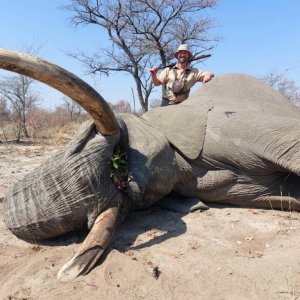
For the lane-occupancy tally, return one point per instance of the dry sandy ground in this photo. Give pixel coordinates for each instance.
(223, 253)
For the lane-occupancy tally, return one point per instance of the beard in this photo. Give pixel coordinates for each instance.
(183, 59)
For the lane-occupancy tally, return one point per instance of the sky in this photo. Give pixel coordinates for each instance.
(256, 37)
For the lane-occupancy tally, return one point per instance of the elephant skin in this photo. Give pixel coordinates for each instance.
(234, 141)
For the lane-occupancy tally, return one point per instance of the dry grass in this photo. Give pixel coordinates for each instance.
(57, 135)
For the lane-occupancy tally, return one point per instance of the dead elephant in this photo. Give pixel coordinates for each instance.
(235, 141)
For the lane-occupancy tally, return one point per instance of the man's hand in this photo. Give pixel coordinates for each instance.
(155, 80)
(154, 71)
(207, 77)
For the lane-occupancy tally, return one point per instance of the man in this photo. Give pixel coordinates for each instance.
(179, 79)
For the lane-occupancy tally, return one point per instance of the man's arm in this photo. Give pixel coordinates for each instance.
(155, 80)
(204, 76)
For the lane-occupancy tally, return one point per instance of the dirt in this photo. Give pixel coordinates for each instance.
(222, 253)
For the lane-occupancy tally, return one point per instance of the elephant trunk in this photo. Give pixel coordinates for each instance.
(65, 82)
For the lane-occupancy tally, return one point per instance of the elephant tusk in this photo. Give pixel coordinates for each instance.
(93, 246)
(65, 82)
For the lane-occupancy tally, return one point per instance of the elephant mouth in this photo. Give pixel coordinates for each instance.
(65, 82)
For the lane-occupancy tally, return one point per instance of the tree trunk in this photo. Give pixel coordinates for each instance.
(138, 83)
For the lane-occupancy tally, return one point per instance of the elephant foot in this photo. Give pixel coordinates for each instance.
(181, 204)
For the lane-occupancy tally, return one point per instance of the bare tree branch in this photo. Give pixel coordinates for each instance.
(142, 33)
(17, 90)
(286, 87)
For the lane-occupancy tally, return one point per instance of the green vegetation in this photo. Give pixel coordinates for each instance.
(119, 169)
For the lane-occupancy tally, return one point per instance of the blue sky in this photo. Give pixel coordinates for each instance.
(257, 37)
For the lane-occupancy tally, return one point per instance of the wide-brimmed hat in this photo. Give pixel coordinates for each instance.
(183, 47)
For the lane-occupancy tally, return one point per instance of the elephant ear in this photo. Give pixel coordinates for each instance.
(184, 124)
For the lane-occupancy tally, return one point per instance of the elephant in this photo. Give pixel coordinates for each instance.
(233, 141)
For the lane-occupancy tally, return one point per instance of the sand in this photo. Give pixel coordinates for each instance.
(222, 253)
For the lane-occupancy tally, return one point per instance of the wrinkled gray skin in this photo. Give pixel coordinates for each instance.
(234, 141)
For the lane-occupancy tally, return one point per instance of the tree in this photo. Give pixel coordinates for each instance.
(4, 117)
(72, 108)
(18, 91)
(4, 113)
(122, 106)
(286, 87)
(143, 33)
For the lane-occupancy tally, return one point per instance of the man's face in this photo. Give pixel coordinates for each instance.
(183, 56)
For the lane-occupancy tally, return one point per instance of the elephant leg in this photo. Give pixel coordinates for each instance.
(280, 191)
(284, 203)
(94, 245)
(275, 191)
(286, 195)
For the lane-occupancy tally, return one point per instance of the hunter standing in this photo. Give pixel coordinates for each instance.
(179, 79)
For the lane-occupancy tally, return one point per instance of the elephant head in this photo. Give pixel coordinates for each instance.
(233, 141)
